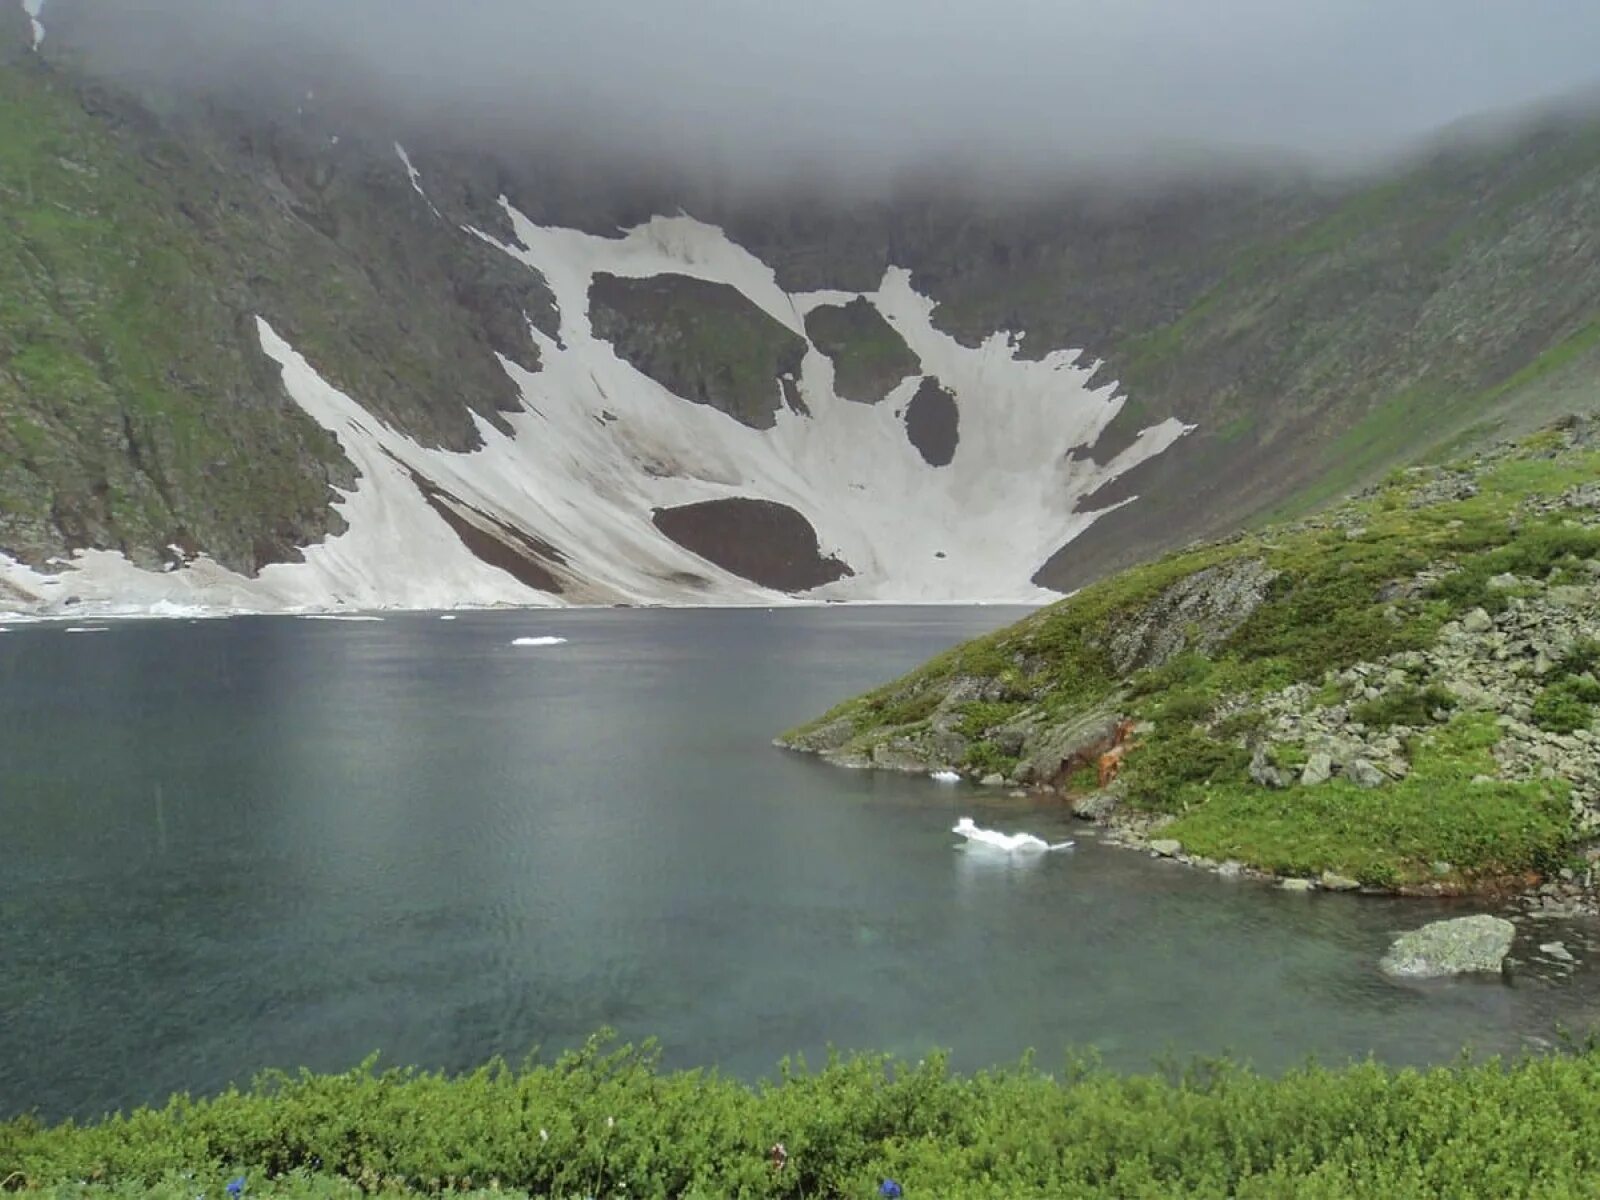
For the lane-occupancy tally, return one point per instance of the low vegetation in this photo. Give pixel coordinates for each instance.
(1346, 640)
(607, 1122)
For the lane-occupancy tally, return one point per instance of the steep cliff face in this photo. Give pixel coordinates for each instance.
(549, 392)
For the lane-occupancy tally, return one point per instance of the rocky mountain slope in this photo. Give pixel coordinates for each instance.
(292, 348)
(1402, 692)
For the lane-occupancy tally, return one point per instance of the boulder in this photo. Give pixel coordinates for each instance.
(1264, 773)
(1096, 806)
(1296, 885)
(1557, 951)
(1319, 769)
(1166, 847)
(1331, 881)
(1477, 621)
(1363, 774)
(1453, 947)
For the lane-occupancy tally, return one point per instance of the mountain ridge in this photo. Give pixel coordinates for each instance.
(1267, 318)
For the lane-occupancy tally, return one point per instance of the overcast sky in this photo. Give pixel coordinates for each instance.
(892, 81)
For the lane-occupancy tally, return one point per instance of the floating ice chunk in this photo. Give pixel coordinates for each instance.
(1003, 841)
(946, 777)
(87, 629)
(448, 617)
(538, 641)
(337, 617)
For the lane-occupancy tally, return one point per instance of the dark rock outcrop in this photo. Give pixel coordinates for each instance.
(704, 342)
(933, 423)
(759, 540)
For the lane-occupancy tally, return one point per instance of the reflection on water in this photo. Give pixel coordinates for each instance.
(278, 842)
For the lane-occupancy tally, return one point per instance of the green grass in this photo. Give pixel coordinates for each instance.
(1389, 836)
(120, 373)
(610, 1124)
(1334, 602)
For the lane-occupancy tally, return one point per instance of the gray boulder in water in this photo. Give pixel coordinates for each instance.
(1451, 947)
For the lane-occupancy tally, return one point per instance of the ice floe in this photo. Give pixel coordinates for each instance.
(1009, 842)
(539, 641)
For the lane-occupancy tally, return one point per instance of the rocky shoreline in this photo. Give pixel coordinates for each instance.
(1425, 658)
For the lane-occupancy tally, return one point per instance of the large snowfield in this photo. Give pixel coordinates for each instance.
(598, 446)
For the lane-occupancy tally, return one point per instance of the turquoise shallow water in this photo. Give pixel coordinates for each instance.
(280, 842)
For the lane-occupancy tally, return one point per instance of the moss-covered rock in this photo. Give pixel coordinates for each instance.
(702, 341)
(870, 359)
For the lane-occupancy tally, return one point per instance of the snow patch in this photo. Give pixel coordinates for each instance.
(416, 179)
(33, 8)
(598, 446)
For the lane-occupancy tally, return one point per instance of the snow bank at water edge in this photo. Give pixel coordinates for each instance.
(559, 510)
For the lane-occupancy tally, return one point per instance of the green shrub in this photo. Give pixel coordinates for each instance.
(1403, 706)
(980, 716)
(1566, 705)
(1393, 834)
(1159, 774)
(985, 758)
(611, 1124)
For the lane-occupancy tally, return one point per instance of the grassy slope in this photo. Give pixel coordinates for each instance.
(136, 249)
(129, 414)
(612, 1125)
(1454, 301)
(1326, 611)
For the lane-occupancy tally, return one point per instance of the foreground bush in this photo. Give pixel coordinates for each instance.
(599, 1123)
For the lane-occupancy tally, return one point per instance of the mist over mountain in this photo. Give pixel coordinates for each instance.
(853, 94)
(398, 305)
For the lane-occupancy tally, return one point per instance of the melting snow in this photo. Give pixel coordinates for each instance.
(973, 531)
(416, 179)
(33, 8)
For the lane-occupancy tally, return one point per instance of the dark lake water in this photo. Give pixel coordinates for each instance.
(282, 842)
